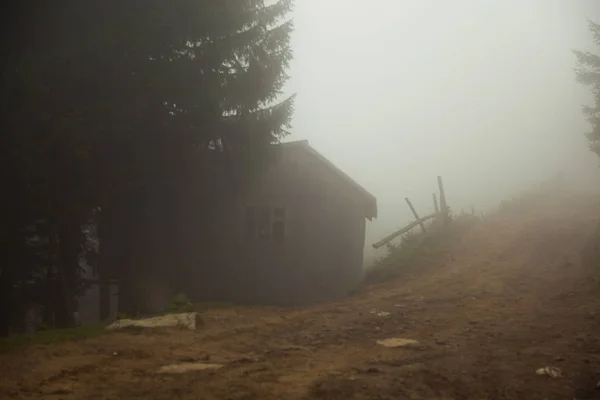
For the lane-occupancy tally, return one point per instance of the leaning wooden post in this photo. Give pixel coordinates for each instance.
(435, 203)
(402, 231)
(412, 208)
(443, 204)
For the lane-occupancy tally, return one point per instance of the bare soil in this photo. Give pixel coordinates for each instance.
(513, 296)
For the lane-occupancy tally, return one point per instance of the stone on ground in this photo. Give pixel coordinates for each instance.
(190, 321)
(187, 367)
(397, 342)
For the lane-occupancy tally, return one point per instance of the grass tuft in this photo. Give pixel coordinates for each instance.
(418, 249)
(51, 336)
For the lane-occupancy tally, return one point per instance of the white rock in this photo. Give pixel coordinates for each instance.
(190, 321)
(396, 342)
(187, 367)
(552, 372)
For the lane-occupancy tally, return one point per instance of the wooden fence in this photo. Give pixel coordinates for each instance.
(442, 212)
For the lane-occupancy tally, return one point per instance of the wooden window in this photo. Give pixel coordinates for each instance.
(279, 225)
(265, 224)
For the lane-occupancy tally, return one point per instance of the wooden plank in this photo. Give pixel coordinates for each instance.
(412, 208)
(443, 205)
(407, 228)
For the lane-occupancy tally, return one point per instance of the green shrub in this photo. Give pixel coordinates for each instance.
(418, 249)
(50, 336)
(180, 303)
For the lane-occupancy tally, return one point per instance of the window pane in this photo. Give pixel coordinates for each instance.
(264, 223)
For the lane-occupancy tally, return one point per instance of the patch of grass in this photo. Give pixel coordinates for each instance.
(418, 249)
(51, 336)
(179, 304)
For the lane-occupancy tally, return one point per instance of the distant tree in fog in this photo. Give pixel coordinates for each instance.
(588, 73)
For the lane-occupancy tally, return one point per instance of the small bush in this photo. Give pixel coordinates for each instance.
(180, 304)
(121, 315)
(418, 249)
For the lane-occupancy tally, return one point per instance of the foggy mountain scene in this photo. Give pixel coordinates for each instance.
(279, 199)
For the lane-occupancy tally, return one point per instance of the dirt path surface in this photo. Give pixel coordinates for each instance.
(512, 297)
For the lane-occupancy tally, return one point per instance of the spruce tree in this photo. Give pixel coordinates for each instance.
(143, 109)
(588, 73)
(205, 80)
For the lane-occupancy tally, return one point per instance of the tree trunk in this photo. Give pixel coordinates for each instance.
(118, 237)
(103, 267)
(49, 306)
(63, 317)
(104, 296)
(127, 266)
(10, 253)
(127, 294)
(6, 300)
(68, 271)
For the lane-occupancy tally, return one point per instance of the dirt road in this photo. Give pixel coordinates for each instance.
(512, 297)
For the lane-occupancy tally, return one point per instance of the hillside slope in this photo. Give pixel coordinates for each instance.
(513, 296)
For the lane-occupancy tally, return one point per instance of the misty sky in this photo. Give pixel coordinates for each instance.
(482, 92)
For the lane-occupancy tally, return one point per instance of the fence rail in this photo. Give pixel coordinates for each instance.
(404, 230)
(442, 211)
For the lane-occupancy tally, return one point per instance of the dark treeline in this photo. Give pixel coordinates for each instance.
(125, 124)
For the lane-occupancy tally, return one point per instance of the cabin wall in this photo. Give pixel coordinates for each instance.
(321, 255)
(335, 238)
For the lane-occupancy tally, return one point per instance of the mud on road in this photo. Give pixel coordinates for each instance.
(513, 296)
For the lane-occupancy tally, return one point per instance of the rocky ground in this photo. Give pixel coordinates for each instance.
(512, 297)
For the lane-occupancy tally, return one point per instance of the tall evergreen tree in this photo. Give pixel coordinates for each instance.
(209, 92)
(186, 105)
(146, 110)
(588, 73)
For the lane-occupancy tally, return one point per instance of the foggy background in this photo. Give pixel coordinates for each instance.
(482, 92)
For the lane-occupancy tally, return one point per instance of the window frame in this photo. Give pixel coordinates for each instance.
(268, 219)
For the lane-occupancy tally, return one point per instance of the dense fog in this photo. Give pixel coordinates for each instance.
(480, 92)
